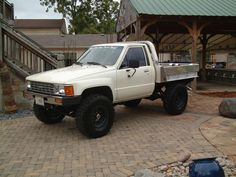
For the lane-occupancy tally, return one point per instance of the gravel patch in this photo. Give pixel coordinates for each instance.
(19, 114)
(178, 169)
(181, 169)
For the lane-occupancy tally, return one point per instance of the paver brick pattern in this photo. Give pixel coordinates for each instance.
(140, 138)
(221, 132)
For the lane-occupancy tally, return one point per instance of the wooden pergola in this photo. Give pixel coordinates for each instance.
(157, 20)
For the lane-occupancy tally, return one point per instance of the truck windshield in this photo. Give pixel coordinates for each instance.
(103, 55)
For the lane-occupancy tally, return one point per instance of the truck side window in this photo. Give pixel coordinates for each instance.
(134, 54)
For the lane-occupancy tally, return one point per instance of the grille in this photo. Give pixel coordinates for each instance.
(41, 87)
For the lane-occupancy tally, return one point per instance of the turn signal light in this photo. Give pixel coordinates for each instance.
(69, 90)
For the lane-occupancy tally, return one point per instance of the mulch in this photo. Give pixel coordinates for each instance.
(225, 94)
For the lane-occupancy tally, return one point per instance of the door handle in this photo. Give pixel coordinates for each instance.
(146, 71)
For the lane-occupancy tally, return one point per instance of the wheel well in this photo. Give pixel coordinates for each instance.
(106, 91)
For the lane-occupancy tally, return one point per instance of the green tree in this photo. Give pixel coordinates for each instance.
(106, 12)
(86, 16)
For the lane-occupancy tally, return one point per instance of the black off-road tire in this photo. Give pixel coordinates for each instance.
(132, 103)
(175, 99)
(47, 115)
(95, 116)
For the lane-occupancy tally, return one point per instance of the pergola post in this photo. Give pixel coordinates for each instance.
(194, 31)
(118, 37)
(157, 40)
(204, 40)
(138, 30)
(204, 46)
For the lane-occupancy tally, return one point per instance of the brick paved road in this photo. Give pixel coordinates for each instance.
(140, 138)
(221, 132)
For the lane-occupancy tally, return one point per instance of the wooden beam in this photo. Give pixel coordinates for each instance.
(194, 30)
(204, 40)
(118, 37)
(221, 41)
(157, 40)
(146, 26)
(138, 30)
(169, 37)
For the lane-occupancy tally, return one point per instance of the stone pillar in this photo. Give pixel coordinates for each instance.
(8, 99)
(1, 98)
(1, 56)
(60, 61)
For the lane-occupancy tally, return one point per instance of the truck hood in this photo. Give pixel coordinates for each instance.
(67, 74)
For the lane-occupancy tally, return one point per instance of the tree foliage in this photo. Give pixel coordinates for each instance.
(86, 16)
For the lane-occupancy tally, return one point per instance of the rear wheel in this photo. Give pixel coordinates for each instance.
(95, 115)
(175, 99)
(48, 115)
(132, 103)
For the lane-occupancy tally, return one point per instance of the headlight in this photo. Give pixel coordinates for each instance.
(28, 85)
(65, 90)
(60, 90)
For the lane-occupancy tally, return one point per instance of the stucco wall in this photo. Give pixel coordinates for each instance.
(40, 31)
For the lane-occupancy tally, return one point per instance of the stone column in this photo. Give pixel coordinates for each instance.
(8, 99)
(60, 61)
(1, 98)
(1, 55)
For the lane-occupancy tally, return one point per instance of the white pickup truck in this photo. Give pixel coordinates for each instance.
(107, 75)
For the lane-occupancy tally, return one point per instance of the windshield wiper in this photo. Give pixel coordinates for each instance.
(78, 63)
(95, 63)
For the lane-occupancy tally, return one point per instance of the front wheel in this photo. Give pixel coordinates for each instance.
(175, 99)
(48, 115)
(95, 115)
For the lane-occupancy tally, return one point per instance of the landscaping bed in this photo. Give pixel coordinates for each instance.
(225, 94)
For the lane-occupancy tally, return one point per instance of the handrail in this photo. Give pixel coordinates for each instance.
(28, 38)
(8, 3)
(23, 54)
(43, 54)
(34, 42)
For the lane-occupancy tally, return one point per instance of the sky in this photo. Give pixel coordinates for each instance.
(31, 9)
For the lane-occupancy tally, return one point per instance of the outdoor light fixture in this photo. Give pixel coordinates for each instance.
(206, 168)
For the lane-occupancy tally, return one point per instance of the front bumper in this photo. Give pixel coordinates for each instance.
(57, 100)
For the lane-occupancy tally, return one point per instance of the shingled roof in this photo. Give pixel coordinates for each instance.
(223, 8)
(39, 23)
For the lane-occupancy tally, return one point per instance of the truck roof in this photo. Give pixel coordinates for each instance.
(122, 43)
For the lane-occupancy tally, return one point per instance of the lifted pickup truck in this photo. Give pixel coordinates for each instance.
(107, 75)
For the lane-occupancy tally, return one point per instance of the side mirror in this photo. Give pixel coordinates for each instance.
(133, 64)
